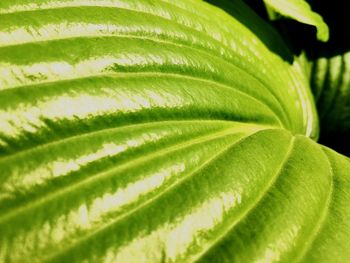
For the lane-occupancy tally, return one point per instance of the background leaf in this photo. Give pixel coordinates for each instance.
(301, 11)
(331, 84)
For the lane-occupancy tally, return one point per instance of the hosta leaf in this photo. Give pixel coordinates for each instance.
(160, 131)
(331, 86)
(301, 11)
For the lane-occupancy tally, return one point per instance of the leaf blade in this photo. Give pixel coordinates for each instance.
(301, 11)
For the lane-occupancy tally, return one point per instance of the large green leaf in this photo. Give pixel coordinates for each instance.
(160, 131)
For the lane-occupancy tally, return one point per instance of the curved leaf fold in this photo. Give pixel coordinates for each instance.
(301, 11)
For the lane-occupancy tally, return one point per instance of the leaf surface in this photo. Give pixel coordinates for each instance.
(159, 131)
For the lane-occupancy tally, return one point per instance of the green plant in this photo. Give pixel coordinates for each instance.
(162, 131)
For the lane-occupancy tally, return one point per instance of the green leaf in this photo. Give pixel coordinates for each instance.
(160, 131)
(331, 85)
(301, 11)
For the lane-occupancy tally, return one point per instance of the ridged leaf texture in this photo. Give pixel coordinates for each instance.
(160, 131)
(331, 86)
